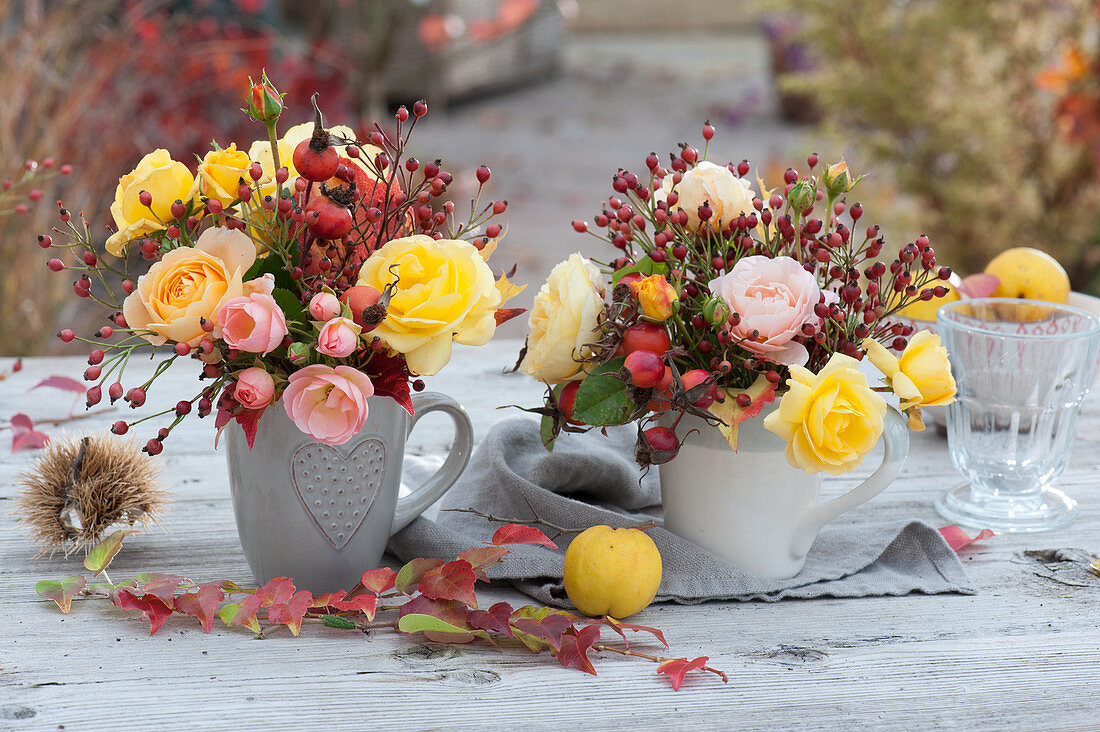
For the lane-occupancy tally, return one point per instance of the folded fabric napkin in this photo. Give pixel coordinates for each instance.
(592, 479)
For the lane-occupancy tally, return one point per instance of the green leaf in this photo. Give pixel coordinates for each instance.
(417, 623)
(273, 265)
(646, 267)
(546, 432)
(61, 592)
(289, 303)
(100, 557)
(335, 621)
(603, 398)
(409, 576)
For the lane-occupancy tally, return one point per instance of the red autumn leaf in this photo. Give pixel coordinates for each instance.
(111, 591)
(450, 581)
(619, 626)
(390, 377)
(366, 603)
(482, 557)
(61, 382)
(958, 539)
(202, 604)
(24, 435)
(452, 612)
(549, 628)
(63, 591)
(249, 420)
(521, 534)
(161, 586)
(678, 667)
(329, 599)
(503, 315)
(379, 580)
(495, 620)
(155, 611)
(574, 648)
(291, 612)
(408, 577)
(275, 591)
(242, 613)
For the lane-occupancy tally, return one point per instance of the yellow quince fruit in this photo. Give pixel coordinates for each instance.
(612, 572)
(1031, 274)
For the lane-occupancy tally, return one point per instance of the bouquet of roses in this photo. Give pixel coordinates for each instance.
(720, 294)
(314, 268)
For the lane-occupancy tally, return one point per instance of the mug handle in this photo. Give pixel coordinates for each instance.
(895, 439)
(424, 495)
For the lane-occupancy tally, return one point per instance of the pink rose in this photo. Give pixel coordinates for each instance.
(328, 404)
(254, 388)
(775, 298)
(338, 338)
(324, 306)
(252, 323)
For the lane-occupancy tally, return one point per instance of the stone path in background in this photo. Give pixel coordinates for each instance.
(554, 146)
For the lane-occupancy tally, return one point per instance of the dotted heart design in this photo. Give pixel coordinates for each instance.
(338, 490)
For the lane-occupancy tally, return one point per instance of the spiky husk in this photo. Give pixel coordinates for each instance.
(81, 486)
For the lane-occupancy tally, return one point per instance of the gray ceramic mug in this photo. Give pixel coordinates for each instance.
(322, 514)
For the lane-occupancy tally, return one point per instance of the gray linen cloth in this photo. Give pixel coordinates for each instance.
(592, 479)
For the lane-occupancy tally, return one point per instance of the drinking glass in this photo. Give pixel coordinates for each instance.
(1022, 368)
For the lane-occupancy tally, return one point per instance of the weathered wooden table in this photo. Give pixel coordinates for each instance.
(1023, 653)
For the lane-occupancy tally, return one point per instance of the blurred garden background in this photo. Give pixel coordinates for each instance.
(978, 121)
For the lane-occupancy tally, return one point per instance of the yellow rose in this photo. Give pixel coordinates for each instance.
(830, 421)
(727, 195)
(220, 174)
(445, 292)
(922, 376)
(260, 152)
(166, 180)
(189, 284)
(655, 297)
(564, 319)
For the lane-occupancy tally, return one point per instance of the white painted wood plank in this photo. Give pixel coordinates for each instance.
(1022, 654)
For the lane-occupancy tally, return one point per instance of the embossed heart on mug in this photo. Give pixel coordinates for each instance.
(338, 489)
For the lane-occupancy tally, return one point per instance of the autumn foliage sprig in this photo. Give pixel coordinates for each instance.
(428, 596)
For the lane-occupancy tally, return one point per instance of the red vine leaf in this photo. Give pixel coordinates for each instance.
(24, 435)
(618, 626)
(408, 578)
(161, 586)
(329, 599)
(549, 628)
(482, 557)
(957, 538)
(242, 613)
(574, 648)
(61, 382)
(201, 604)
(450, 581)
(379, 580)
(390, 377)
(249, 420)
(151, 606)
(111, 591)
(62, 592)
(366, 603)
(101, 555)
(495, 620)
(275, 591)
(451, 612)
(521, 534)
(503, 315)
(678, 667)
(291, 612)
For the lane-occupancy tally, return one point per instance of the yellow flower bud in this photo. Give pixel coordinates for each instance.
(655, 297)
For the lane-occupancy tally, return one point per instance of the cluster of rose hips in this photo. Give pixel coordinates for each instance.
(644, 225)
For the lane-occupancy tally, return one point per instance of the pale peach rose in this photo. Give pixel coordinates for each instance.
(774, 299)
(339, 337)
(253, 323)
(328, 404)
(189, 284)
(254, 388)
(324, 306)
(715, 185)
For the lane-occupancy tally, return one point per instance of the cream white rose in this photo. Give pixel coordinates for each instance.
(727, 195)
(564, 319)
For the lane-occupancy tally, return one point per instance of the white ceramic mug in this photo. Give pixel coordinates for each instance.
(750, 507)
